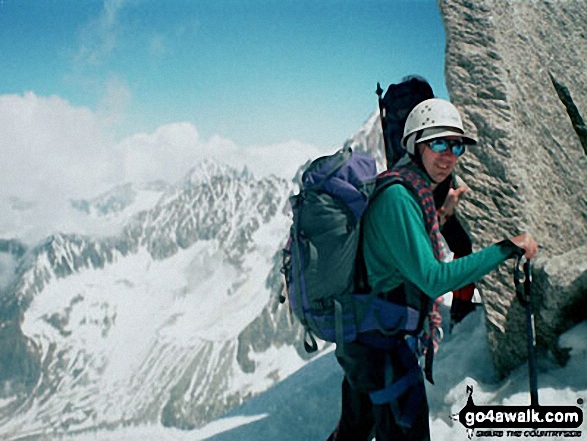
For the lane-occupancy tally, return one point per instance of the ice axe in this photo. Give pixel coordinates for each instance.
(523, 282)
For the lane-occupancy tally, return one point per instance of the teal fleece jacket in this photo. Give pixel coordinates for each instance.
(397, 248)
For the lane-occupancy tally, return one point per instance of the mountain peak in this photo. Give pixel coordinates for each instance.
(205, 170)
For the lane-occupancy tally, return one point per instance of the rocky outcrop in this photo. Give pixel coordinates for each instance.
(518, 72)
(561, 294)
(559, 300)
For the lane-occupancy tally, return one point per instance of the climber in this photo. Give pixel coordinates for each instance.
(383, 391)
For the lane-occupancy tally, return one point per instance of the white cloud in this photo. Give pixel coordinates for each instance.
(283, 159)
(50, 146)
(164, 154)
(168, 152)
(51, 152)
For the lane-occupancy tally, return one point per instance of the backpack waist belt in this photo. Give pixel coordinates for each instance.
(388, 312)
(389, 318)
(373, 313)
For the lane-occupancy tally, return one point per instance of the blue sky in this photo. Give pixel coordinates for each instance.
(97, 93)
(256, 72)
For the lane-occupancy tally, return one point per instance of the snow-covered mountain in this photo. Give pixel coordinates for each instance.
(173, 321)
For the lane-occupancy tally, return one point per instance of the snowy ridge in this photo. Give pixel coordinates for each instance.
(60, 255)
(369, 139)
(202, 173)
(205, 171)
(225, 206)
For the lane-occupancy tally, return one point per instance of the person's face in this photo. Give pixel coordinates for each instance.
(438, 165)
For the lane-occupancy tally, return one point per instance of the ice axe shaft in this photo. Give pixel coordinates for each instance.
(523, 282)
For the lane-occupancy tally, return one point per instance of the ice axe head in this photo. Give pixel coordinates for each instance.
(522, 279)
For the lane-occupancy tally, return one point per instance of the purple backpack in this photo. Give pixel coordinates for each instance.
(325, 274)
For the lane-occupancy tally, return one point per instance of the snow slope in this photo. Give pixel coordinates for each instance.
(305, 406)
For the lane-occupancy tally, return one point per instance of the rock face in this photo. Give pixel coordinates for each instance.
(517, 70)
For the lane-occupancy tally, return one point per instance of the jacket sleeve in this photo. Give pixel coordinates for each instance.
(397, 229)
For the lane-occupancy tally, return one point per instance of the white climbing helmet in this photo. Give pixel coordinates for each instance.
(437, 118)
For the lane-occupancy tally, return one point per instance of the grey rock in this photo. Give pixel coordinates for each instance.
(559, 301)
(561, 289)
(517, 70)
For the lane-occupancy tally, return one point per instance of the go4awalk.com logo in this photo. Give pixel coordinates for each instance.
(525, 422)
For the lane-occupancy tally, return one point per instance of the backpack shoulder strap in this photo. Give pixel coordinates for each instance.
(384, 181)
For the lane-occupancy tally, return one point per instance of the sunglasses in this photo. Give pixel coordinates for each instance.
(441, 145)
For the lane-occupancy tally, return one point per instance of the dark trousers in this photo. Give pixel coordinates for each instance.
(365, 371)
